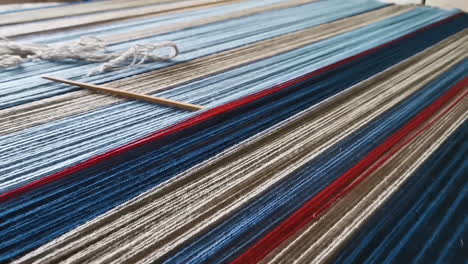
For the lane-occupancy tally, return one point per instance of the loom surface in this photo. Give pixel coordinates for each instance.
(330, 132)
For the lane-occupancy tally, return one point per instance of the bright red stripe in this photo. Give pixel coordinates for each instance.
(345, 183)
(202, 117)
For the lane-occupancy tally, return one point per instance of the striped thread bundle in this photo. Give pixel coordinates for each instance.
(333, 132)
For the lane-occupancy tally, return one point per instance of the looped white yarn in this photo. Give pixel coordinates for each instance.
(87, 48)
(138, 54)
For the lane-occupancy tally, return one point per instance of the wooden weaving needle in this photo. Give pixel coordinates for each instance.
(127, 94)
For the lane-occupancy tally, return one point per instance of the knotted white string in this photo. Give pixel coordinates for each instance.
(87, 48)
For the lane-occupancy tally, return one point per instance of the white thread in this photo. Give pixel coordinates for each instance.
(87, 48)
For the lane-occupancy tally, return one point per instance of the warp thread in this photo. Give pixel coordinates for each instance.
(88, 48)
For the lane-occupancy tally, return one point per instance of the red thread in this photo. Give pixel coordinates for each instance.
(345, 183)
(201, 117)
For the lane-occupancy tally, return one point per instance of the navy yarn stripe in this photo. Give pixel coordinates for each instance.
(440, 182)
(261, 216)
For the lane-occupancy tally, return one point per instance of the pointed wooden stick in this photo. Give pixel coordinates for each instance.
(127, 94)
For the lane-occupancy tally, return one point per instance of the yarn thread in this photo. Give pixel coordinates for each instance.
(317, 112)
(88, 48)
